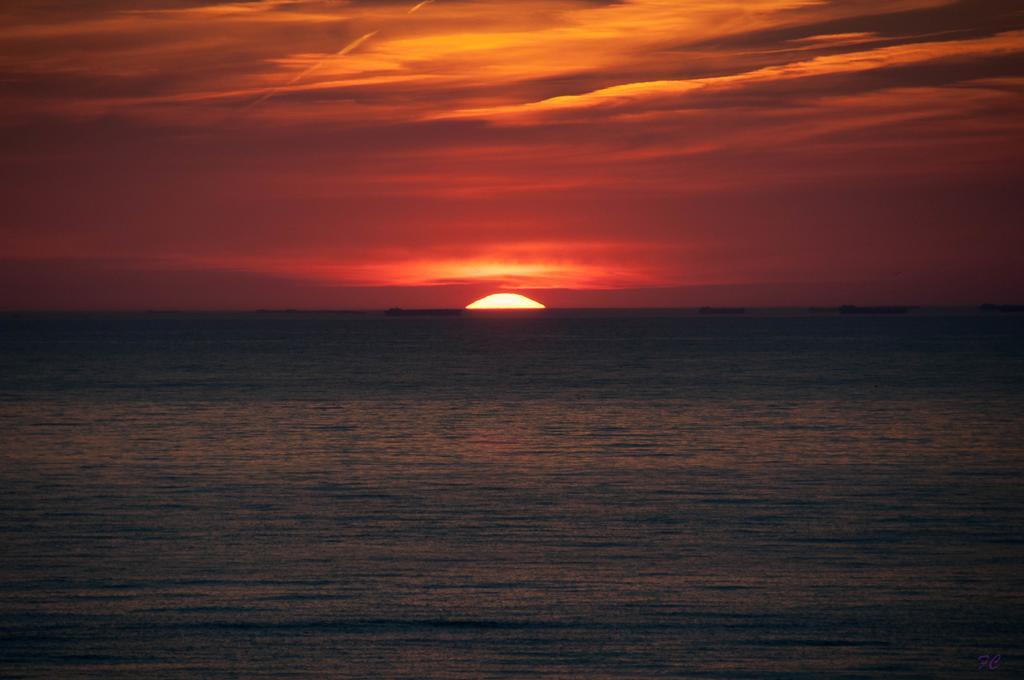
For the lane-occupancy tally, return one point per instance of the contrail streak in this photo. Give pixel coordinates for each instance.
(340, 53)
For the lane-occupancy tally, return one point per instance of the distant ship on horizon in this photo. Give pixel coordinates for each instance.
(398, 311)
(881, 309)
(855, 309)
(723, 310)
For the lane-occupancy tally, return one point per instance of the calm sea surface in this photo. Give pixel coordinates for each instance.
(557, 495)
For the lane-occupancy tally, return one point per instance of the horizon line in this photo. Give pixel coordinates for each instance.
(341, 310)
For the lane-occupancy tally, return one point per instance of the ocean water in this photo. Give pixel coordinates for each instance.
(599, 495)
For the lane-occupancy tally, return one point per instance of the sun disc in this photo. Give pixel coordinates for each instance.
(505, 301)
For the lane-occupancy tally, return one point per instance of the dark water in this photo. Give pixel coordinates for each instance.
(543, 496)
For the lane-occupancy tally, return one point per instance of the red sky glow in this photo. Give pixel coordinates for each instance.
(189, 154)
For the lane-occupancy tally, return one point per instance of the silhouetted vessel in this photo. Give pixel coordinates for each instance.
(891, 309)
(723, 310)
(343, 312)
(1006, 309)
(398, 311)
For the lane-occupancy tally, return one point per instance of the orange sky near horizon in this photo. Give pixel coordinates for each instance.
(356, 153)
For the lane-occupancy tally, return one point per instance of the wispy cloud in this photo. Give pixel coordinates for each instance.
(837, 64)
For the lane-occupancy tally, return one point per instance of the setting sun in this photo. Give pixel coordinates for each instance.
(505, 301)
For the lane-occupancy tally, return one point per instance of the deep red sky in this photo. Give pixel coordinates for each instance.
(324, 153)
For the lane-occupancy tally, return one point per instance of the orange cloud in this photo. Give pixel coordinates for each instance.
(884, 57)
(458, 56)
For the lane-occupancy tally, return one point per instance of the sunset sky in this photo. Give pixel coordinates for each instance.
(331, 153)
